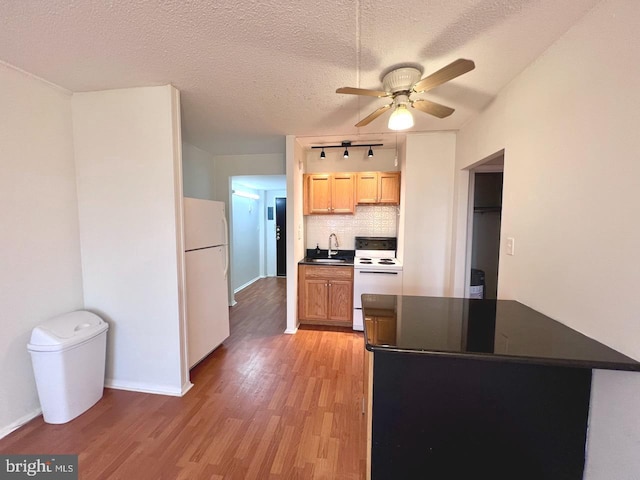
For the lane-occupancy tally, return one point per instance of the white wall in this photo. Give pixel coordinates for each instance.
(428, 179)
(40, 273)
(198, 173)
(247, 239)
(295, 155)
(129, 189)
(568, 125)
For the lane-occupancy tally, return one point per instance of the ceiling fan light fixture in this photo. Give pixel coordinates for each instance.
(322, 154)
(370, 152)
(401, 118)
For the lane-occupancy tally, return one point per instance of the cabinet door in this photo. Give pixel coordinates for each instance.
(385, 328)
(315, 299)
(342, 193)
(389, 188)
(341, 300)
(367, 188)
(319, 193)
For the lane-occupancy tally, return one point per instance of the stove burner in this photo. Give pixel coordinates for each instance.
(365, 262)
(366, 259)
(386, 261)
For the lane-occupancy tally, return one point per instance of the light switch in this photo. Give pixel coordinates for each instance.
(511, 245)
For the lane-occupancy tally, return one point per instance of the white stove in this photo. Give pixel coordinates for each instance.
(376, 271)
(367, 259)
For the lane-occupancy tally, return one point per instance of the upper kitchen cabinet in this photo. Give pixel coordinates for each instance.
(329, 193)
(374, 188)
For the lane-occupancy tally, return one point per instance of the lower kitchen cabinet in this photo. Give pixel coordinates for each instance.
(325, 295)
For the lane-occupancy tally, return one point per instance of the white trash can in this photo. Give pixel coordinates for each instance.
(68, 355)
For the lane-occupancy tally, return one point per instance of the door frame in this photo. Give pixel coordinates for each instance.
(480, 167)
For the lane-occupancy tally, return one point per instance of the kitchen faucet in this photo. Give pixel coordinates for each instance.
(332, 252)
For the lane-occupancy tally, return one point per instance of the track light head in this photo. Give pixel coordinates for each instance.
(322, 154)
(346, 153)
(370, 152)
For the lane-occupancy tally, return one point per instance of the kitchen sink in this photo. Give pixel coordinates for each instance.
(328, 260)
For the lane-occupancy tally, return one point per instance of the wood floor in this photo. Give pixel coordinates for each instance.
(264, 406)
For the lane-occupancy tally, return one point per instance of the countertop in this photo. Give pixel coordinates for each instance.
(346, 255)
(499, 330)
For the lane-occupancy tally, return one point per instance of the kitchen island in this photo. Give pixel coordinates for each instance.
(460, 388)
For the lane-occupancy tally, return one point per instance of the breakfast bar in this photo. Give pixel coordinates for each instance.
(469, 388)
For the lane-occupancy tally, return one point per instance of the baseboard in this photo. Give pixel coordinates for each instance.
(291, 331)
(241, 287)
(143, 388)
(13, 426)
(186, 387)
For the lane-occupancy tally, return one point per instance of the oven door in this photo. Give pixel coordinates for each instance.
(383, 282)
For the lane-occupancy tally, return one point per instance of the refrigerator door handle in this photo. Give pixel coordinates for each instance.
(225, 226)
(226, 248)
(226, 265)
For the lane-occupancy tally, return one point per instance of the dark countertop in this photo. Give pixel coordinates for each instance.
(499, 330)
(346, 255)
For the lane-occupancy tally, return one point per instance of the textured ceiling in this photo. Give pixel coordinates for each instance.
(251, 71)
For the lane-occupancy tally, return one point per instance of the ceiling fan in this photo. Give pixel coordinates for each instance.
(401, 83)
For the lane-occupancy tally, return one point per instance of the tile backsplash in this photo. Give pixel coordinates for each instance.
(367, 221)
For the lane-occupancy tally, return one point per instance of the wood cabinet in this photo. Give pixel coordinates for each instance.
(329, 193)
(381, 329)
(325, 295)
(375, 188)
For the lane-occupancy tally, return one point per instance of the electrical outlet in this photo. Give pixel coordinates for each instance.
(511, 245)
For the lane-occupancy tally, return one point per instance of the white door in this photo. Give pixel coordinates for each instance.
(207, 307)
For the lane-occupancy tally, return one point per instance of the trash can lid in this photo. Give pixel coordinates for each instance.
(65, 331)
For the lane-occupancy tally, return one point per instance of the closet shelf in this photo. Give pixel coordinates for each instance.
(487, 209)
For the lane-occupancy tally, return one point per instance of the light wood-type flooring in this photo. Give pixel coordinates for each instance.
(264, 406)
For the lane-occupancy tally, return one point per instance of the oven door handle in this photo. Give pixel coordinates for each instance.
(378, 272)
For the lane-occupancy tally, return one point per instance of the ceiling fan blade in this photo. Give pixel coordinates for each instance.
(451, 71)
(373, 116)
(362, 91)
(432, 108)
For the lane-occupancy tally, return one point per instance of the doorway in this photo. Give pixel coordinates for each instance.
(281, 237)
(484, 224)
(252, 207)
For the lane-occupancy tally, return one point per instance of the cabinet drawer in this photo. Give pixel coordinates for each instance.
(329, 273)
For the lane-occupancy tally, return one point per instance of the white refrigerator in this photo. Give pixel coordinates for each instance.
(207, 266)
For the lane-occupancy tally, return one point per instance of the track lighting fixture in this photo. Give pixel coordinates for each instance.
(347, 145)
